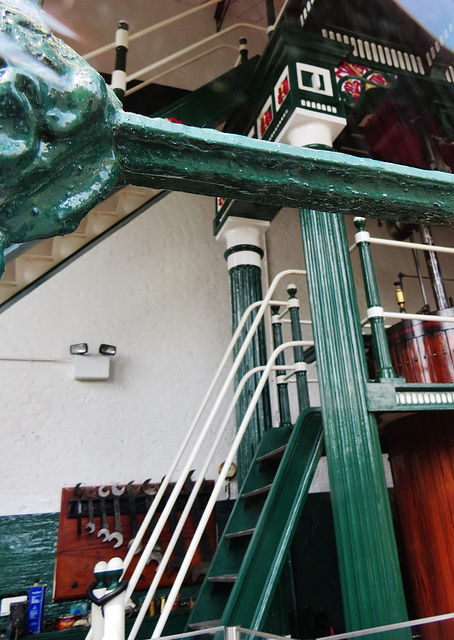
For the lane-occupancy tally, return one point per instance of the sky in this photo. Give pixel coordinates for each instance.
(436, 17)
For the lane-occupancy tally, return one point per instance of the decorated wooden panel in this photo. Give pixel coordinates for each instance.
(88, 523)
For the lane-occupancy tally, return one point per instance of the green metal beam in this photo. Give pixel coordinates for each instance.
(66, 143)
(160, 154)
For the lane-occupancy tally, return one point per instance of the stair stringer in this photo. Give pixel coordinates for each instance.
(264, 561)
(258, 573)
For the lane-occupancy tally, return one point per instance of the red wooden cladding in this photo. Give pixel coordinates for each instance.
(422, 351)
(422, 461)
(421, 450)
(77, 555)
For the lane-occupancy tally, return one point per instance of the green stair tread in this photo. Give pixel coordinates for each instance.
(226, 577)
(260, 491)
(248, 601)
(276, 454)
(240, 534)
(260, 475)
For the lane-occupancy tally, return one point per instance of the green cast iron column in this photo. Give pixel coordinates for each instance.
(371, 581)
(369, 567)
(385, 369)
(243, 239)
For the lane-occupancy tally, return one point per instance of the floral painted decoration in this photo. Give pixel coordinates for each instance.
(355, 79)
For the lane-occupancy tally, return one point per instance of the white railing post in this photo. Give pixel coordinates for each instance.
(114, 609)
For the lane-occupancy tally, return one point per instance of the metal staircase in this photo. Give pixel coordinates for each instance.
(31, 264)
(244, 573)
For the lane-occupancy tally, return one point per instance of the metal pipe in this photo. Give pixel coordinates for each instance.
(298, 352)
(154, 27)
(419, 272)
(433, 267)
(182, 52)
(406, 245)
(185, 63)
(282, 386)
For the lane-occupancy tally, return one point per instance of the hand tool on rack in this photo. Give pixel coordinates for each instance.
(79, 491)
(132, 492)
(180, 549)
(117, 535)
(90, 526)
(204, 545)
(157, 553)
(146, 488)
(103, 492)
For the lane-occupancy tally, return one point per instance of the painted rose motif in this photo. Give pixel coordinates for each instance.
(346, 74)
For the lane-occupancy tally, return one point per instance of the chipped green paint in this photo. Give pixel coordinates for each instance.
(65, 144)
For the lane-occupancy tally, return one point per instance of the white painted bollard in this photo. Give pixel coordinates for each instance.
(114, 609)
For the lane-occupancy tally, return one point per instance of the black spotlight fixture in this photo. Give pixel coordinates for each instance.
(78, 349)
(107, 349)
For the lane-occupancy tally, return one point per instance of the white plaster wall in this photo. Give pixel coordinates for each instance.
(158, 290)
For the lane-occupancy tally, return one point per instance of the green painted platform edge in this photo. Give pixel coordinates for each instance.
(264, 560)
(382, 396)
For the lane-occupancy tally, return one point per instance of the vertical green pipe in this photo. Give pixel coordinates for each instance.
(298, 352)
(246, 288)
(385, 369)
(282, 387)
(369, 567)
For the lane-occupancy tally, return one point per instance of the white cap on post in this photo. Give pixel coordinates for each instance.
(243, 238)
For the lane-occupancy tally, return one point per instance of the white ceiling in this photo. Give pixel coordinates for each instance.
(90, 24)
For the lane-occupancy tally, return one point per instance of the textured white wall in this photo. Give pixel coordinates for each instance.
(158, 289)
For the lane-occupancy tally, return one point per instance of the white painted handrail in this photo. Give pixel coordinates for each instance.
(153, 27)
(217, 489)
(195, 490)
(262, 305)
(191, 47)
(405, 245)
(411, 316)
(185, 63)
